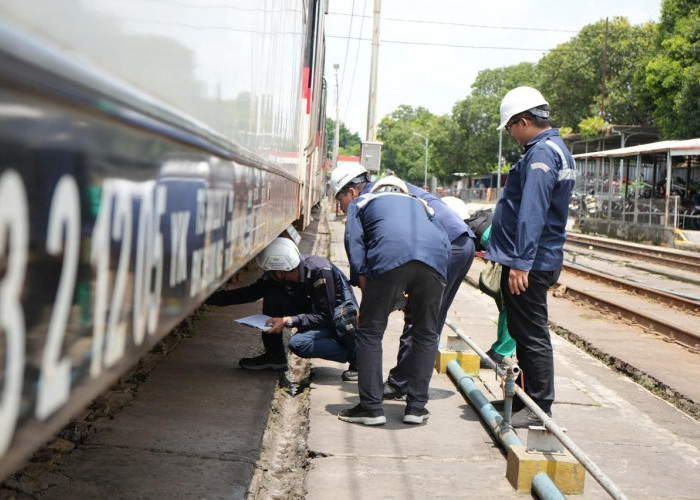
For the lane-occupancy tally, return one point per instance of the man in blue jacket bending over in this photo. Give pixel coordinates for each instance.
(394, 246)
(350, 181)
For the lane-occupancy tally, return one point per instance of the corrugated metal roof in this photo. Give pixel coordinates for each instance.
(677, 148)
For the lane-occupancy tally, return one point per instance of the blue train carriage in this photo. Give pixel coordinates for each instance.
(148, 150)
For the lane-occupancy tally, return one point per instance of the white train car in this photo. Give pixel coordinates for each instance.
(148, 150)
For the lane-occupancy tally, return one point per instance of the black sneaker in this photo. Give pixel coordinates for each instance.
(263, 362)
(525, 418)
(393, 392)
(350, 375)
(358, 415)
(415, 416)
(497, 358)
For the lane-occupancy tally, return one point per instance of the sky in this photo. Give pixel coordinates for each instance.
(430, 52)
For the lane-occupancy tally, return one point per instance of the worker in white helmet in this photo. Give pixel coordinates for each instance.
(527, 239)
(304, 292)
(352, 182)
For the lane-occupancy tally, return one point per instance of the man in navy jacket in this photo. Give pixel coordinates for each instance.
(527, 238)
(299, 291)
(394, 246)
(354, 181)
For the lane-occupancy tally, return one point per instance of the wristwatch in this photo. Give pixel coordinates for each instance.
(289, 323)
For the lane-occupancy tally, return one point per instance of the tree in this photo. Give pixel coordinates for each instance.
(403, 152)
(572, 74)
(673, 75)
(474, 147)
(349, 143)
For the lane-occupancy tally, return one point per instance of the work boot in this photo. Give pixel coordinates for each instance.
(263, 362)
(358, 415)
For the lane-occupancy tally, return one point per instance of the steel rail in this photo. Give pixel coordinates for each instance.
(651, 254)
(679, 334)
(669, 299)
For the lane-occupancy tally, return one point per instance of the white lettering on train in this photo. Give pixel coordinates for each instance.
(63, 237)
(14, 243)
(179, 223)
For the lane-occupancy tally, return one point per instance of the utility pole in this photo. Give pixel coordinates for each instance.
(336, 135)
(371, 135)
(605, 64)
(425, 175)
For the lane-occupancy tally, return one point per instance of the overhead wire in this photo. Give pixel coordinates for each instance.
(347, 46)
(354, 67)
(447, 23)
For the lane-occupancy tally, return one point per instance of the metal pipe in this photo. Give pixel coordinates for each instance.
(504, 432)
(549, 424)
(544, 487)
(547, 490)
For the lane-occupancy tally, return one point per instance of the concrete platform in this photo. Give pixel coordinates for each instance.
(646, 446)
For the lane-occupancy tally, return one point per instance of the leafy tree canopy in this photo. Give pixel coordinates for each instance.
(672, 76)
(349, 143)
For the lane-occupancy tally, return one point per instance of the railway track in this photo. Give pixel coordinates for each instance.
(670, 257)
(658, 311)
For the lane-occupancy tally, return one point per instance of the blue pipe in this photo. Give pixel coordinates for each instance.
(545, 488)
(503, 431)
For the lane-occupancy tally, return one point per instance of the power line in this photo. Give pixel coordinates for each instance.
(464, 25)
(354, 67)
(433, 44)
(347, 46)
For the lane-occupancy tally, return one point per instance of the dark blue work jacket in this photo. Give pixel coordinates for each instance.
(529, 225)
(321, 288)
(453, 225)
(386, 230)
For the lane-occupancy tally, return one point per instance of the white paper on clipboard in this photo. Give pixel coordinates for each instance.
(256, 321)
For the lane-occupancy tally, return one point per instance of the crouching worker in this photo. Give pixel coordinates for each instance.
(305, 292)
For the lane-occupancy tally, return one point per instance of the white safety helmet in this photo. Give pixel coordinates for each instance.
(457, 206)
(518, 100)
(280, 255)
(391, 184)
(344, 174)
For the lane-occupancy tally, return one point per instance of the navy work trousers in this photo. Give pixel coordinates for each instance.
(460, 261)
(425, 288)
(527, 323)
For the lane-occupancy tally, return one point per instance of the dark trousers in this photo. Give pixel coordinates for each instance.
(425, 287)
(277, 304)
(527, 323)
(460, 261)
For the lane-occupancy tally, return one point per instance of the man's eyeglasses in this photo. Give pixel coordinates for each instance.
(510, 125)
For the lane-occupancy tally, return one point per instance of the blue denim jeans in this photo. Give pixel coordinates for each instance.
(322, 344)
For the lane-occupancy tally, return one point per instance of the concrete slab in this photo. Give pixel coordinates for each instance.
(647, 447)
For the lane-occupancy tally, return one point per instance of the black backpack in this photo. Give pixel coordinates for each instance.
(479, 222)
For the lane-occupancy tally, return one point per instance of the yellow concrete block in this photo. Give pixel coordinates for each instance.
(562, 468)
(468, 361)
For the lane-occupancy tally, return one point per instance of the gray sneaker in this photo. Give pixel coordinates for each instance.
(525, 418)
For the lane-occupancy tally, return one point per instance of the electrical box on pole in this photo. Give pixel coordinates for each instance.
(371, 155)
